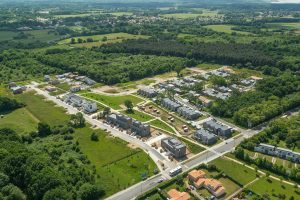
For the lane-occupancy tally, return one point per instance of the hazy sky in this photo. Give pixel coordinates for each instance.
(289, 1)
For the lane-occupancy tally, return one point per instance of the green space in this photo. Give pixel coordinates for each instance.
(193, 148)
(140, 116)
(118, 14)
(115, 102)
(63, 86)
(7, 35)
(162, 125)
(117, 165)
(272, 188)
(20, 120)
(203, 13)
(134, 84)
(238, 172)
(43, 110)
(225, 29)
(99, 40)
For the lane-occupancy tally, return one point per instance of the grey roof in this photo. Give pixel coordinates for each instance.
(148, 90)
(217, 125)
(204, 133)
(170, 102)
(174, 143)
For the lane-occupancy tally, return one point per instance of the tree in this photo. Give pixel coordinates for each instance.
(73, 41)
(94, 137)
(89, 192)
(57, 194)
(13, 193)
(77, 120)
(178, 69)
(129, 105)
(43, 129)
(79, 40)
(4, 180)
(106, 111)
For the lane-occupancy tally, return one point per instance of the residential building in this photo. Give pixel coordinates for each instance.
(173, 194)
(123, 121)
(89, 81)
(224, 89)
(279, 152)
(54, 82)
(89, 107)
(174, 146)
(199, 180)
(147, 92)
(11, 85)
(188, 113)
(205, 137)
(18, 89)
(169, 104)
(248, 82)
(75, 88)
(205, 101)
(217, 128)
(140, 128)
(47, 78)
(74, 100)
(50, 88)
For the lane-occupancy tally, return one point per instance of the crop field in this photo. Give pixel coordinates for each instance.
(102, 39)
(117, 165)
(225, 29)
(118, 14)
(115, 102)
(205, 13)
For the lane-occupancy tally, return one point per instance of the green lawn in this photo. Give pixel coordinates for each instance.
(63, 86)
(98, 39)
(43, 110)
(205, 13)
(20, 120)
(160, 124)
(7, 35)
(238, 172)
(118, 166)
(273, 187)
(140, 116)
(194, 148)
(114, 102)
(225, 29)
(118, 14)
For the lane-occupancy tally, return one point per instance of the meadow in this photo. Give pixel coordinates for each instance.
(225, 29)
(115, 102)
(162, 125)
(99, 40)
(204, 13)
(137, 115)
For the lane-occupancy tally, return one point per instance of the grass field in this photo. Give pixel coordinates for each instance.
(238, 172)
(134, 84)
(225, 29)
(7, 35)
(44, 111)
(118, 14)
(115, 102)
(63, 86)
(273, 187)
(205, 13)
(194, 148)
(158, 123)
(98, 39)
(118, 166)
(140, 116)
(20, 120)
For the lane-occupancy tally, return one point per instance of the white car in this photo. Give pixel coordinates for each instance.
(160, 180)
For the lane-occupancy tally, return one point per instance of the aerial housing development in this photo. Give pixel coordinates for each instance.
(149, 100)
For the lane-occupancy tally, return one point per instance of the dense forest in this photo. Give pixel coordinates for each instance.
(7, 104)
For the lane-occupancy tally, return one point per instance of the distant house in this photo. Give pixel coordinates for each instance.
(188, 113)
(217, 128)
(76, 88)
(54, 82)
(205, 137)
(18, 89)
(140, 128)
(89, 107)
(174, 194)
(11, 85)
(205, 101)
(199, 180)
(50, 88)
(47, 78)
(279, 152)
(74, 100)
(174, 146)
(169, 104)
(89, 81)
(147, 92)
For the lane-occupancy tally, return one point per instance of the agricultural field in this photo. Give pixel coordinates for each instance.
(225, 29)
(115, 102)
(137, 115)
(205, 13)
(99, 40)
(117, 165)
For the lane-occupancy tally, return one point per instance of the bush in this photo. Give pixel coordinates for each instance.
(94, 137)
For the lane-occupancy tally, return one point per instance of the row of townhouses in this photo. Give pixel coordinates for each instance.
(279, 152)
(184, 111)
(77, 101)
(126, 123)
(147, 92)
